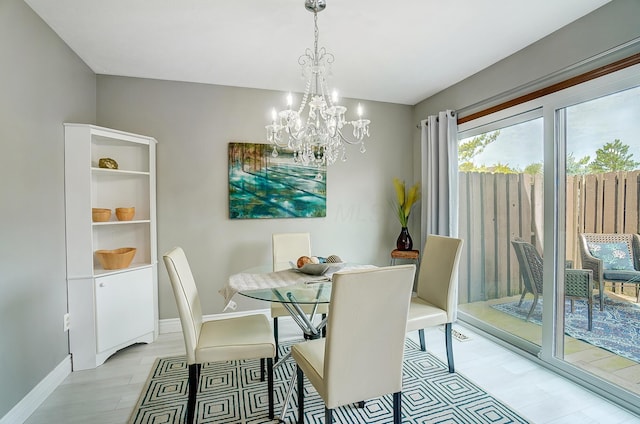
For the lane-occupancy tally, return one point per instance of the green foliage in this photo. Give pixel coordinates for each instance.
(472, 148)
(613, 156)
(533, 168)
(577, 167)
(503, 168)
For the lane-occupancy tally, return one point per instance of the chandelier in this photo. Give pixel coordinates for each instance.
(317, 138)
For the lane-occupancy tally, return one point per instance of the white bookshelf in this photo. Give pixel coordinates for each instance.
(109, 309)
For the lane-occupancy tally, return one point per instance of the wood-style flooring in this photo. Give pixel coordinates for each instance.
(107, 394)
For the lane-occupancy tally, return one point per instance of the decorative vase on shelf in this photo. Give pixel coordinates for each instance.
(404, 241)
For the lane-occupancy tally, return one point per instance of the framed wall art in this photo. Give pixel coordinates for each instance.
(264, 186)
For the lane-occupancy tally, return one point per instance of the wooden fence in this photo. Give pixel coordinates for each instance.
(496, 207)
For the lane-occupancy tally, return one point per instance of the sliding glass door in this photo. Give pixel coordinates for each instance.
(602, 174)
(542, 185)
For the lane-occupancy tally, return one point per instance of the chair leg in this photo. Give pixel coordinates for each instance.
(423, 345)
(590, 312)
(324, 329)
(275, 336)
(270, 386)
(522, 297)
(328, 415)
(397, 408)
(533, 306)
(194, 377)
(449, 345)
(300, 395)
(261, 369)
(602, 295)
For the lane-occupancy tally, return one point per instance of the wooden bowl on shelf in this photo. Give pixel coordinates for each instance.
(100, 214)
(125, 214)
(116, 258)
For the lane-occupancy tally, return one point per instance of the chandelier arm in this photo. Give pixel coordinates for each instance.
(283, 145)
(348, 141)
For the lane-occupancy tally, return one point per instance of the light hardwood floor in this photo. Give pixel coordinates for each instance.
(107, 394)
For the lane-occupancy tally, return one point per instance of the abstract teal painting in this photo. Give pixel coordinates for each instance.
(264, 186)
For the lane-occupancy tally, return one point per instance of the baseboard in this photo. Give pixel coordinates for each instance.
(23, 409)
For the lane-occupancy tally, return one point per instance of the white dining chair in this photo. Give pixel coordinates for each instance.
(436, 299)
(229, 339)
(362, 354)
(287, 248)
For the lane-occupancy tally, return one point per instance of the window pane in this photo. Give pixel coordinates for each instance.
(603, 172)
(500, 199)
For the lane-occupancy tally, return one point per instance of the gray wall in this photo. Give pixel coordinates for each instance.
(194, 123)
(611, 25)
(42, 85)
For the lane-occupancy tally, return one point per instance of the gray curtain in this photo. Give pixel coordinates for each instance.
(439, 169)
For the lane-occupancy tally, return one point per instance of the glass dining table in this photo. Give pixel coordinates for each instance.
(312, 292)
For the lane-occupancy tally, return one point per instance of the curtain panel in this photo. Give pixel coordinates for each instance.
(439, 175)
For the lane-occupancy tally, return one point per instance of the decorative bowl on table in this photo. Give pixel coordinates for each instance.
(319, 269)
(116, 258)
(125, 214)
(100, 214)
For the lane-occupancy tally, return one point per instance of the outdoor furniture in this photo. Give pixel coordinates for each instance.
(612, 257)
(436, 300)
(578, 283)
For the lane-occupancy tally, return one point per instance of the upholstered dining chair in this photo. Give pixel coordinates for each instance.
(436, 299)
(238, 338)
(287, 248)
(354, 363)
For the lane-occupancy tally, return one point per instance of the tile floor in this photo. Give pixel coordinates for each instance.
(107, 394)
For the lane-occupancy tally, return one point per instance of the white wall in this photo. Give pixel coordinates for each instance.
(194, 123)
(42, 85)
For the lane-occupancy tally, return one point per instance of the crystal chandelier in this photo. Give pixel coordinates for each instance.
(318, 138)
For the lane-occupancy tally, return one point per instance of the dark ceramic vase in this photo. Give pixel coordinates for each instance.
(404, 241)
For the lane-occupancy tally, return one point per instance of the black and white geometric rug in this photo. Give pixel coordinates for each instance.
(232, 393)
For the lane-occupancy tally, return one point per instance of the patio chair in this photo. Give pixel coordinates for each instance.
(612, 257)
(578, 283)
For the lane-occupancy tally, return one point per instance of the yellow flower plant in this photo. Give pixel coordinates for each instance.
(405, 200)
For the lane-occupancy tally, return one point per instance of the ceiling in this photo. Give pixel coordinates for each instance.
(391, 51)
